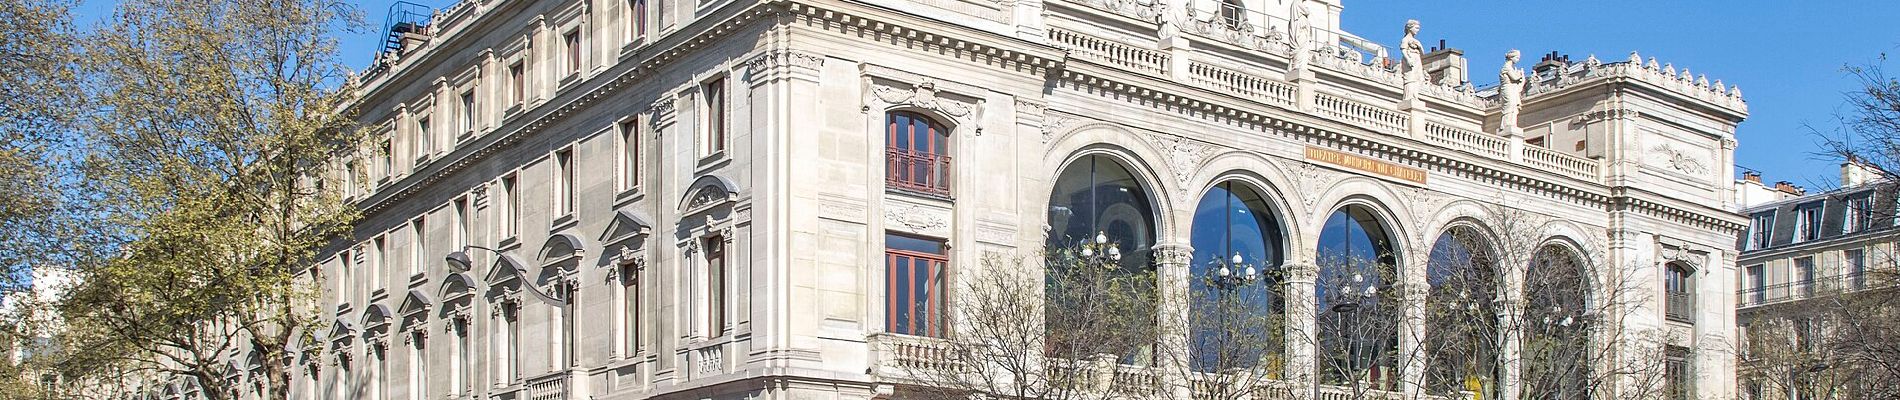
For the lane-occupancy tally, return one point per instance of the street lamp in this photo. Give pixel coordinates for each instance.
(1101, 252)
(460, 262)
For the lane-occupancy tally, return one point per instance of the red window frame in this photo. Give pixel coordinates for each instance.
(917, 161)
(904, 314)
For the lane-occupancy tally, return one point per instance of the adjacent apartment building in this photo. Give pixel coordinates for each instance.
(1799, 251)
(737, 199)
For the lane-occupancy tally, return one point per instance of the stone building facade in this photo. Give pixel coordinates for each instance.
(762, 199)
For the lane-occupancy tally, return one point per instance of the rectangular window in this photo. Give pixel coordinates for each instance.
(350, 187)
(418, 251)
(468, 111)
(343, 277)
(1676, 375)
(1856, 268)
(1757, 285)
(458, 379)
(629, 154)
(1804, 276)
(376, 266)
(1760, 229)
(914, 270)
(713, 94)
(418, 370)
(387, 153)
(509, 207)
(1807, 223)
(630, 309)
(638, 18)
(517, 83)
(572, 41)
(564, 181)
(425, 143)
(461, 223)
(715, 286)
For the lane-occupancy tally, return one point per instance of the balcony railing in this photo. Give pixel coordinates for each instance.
(552, 386)
(1802, 289)
(1679, 307)
(916, 171)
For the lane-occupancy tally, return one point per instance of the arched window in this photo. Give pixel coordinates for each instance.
(1232, 13)
(1099, 284)
(1359, 314)
(1462, 329)
(1096, 195)
(1557, 318)
(1679, 293)
(917, 158)
(1238, 306)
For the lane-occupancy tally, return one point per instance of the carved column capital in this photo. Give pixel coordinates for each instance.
(1301, 272)
(1173, 254)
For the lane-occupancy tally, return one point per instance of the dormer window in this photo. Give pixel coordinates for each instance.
(1807, 223)
(1760, 228)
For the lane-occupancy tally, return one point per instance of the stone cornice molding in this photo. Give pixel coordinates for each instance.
(773, 60)
(886, 87)
(1414, 154)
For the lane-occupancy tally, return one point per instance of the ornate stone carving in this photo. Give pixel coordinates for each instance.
(1680, 160)
(1173, 254)
(663, 111)
(1299, 36)
(1183, 156)
(1425, 204)
(763, 62)
(1314, 181)
(480, 195)
(923, 95)
(916, 218)
(1054, 125)
(707, 196)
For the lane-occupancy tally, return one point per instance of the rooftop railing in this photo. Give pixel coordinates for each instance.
(1802, 289)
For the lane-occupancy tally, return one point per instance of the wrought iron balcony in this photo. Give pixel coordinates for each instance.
(926, 173)
(1679, 307)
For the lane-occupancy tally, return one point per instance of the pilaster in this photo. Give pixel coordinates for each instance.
(1171, 263)
(1301, 330)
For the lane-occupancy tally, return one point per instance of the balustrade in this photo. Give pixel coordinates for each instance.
(1378, 119)
(551, 386)
(1104, 51)
(1467, 140)
(1560, 163)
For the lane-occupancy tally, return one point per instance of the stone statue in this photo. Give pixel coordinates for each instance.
(1411, 62)
(1413, 54)
(1300, 33)
(1511, 90)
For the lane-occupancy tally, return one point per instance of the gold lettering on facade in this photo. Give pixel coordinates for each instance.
(1368, 165)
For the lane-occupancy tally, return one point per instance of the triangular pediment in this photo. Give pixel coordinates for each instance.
(625, 225)
(504, 270)
(413, 303)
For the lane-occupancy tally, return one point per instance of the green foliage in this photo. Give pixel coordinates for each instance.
(207, 161)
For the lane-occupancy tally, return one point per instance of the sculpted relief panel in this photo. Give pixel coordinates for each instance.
(1677, 157)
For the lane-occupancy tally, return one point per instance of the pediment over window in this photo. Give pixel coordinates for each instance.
(415, 302)
(561, 247)
(341, 330)
(626, 224)
(375, 316)
(707, 192)
(456, 287)
(504, 270)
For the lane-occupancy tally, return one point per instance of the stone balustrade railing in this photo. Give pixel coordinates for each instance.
(1249, 86)
(1375, 118)
(550, 386)
(1467, 140)
(1664, 76)
(1562, 164)
(1152, 62)
(912, 354)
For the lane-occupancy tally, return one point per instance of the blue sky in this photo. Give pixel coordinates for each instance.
(1786, 56)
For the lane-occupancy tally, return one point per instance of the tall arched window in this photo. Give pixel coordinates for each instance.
(1095, 195)
(1557, 318)
(1359, 314)
(1238, 307)
(917, 158)
(1099, 301)
(1461, 334)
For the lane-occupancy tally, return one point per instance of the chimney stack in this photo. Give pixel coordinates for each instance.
(1853, 173)
(1751, 176)
(1789, 188)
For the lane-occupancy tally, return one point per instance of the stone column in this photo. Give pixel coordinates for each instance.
(1301, 326)
(1510, 312)
(1412, 357)
(1171, 354)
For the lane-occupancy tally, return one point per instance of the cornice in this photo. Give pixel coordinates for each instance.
(709, 31)
(1167, 96)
